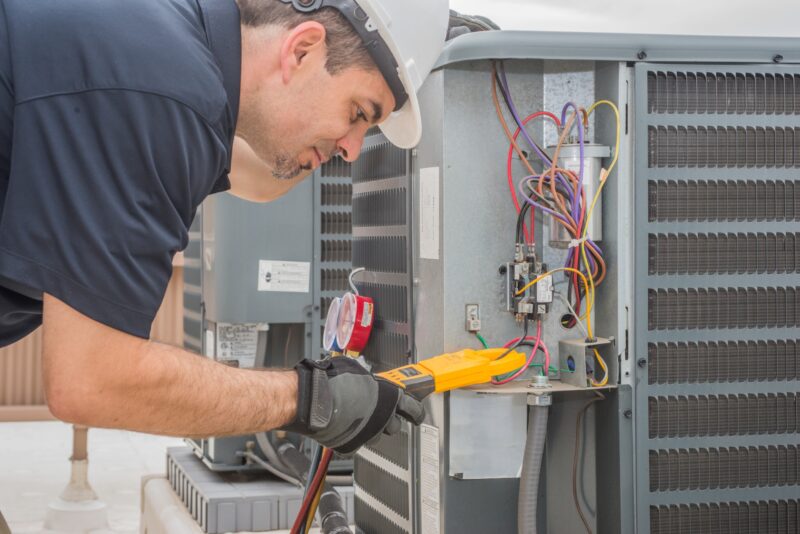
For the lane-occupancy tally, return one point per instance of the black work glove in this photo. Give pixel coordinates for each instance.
(342, 406)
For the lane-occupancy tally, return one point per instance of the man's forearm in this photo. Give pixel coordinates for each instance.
(98, 376)
(177, 393)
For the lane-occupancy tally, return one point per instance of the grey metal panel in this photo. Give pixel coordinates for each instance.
(243, 233)
(617, 47)
(712, 415)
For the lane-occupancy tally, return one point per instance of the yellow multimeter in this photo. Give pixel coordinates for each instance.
(454, 370)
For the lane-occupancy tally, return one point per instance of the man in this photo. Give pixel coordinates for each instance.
(116, 120)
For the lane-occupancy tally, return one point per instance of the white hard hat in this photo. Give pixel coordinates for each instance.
(404, 39)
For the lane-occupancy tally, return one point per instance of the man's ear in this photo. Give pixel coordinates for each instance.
(303, 45)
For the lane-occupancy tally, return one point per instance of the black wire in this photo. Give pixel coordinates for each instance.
(519, 341)
(521, 222)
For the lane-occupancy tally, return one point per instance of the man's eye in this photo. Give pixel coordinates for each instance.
(360, 115)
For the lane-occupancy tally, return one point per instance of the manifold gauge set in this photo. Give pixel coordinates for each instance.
(349, 322)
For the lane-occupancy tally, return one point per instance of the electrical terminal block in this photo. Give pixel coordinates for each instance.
(535, 301)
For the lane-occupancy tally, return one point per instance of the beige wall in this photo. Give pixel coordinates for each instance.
(21, 395)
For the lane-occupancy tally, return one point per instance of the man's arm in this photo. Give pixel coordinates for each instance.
(97, 376)
(252, 179)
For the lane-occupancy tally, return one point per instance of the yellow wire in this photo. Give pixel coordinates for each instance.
(312, 511)
(604, 174)
(585, 288)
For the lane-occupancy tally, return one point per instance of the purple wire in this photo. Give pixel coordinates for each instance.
(575, 207)
(513, 109)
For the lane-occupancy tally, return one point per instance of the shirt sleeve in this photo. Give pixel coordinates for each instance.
(103, 188)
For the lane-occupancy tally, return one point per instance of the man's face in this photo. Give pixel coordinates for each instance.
(306, 116)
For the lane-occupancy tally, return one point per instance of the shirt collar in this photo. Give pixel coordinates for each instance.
(223, 27)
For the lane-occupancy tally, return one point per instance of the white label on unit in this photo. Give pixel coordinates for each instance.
(429, 226)
(429, 479)
(284, 276)
(239, 342)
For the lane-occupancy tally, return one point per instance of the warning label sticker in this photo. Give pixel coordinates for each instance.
(429, 479)
(284, 276)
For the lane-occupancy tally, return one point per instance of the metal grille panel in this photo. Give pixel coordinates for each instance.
(718, 358)
(393, 448)
(733, 307)
(753, 517)
(386, 487)
(725, 467)
(723, 415)
(381, 254)
(729, 253)
(723, 200)
(369, 521)
(722, 362)
(723, 147)
(380, 208)
(718, 93)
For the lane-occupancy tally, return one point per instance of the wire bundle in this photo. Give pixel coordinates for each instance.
(560, 194)
(316, 482)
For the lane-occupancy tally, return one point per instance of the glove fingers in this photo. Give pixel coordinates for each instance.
(410, 409)
(393, 426)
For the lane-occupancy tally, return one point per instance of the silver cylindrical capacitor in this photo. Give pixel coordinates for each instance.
(569, 157)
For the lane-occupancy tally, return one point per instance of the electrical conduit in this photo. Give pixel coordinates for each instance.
(531, 469)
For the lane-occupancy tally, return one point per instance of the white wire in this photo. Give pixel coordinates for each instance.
(266, 465)
(572, 311)
(350, 278)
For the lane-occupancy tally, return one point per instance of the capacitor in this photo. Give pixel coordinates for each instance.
(569, 158)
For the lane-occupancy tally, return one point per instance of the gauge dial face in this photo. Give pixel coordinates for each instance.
(347, 320)
(331, 323)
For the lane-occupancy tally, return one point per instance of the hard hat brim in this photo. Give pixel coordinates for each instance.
(403, 127)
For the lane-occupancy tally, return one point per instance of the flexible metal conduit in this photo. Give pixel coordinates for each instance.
(531, 470)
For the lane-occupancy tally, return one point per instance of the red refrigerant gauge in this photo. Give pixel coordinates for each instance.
(331, 324)
(355, 322)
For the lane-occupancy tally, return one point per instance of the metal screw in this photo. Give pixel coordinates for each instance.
(642, 55)
(777, 58)
(628, 414)
(502, 269)
(642, 363)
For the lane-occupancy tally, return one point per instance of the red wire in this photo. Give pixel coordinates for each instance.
(528, 235)
(311, 491)
(522, 369)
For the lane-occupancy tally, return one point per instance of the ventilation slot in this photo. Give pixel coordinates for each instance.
(710, 93)
(381, 254)
(368, 521)
(754, 517)
(689, 146)
(720, 200)
(671, 309)
(336, 194)
(390, 301)
(393, 448)
(743, 361)
(723, 415)
(387, 488)
(704, 469)
(335, 279)
(387, 350)
(380, 208)
(337, 223)
(723, 253)
(336, 251)
(336, 168)
(380, 161)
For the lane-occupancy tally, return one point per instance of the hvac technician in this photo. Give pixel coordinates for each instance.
(116, 120)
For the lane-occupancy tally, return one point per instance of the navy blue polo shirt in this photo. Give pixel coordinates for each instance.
(116, 121)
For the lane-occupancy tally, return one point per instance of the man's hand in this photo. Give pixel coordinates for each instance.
(342, 406)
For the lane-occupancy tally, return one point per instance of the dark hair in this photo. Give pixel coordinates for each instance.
(345, 48)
